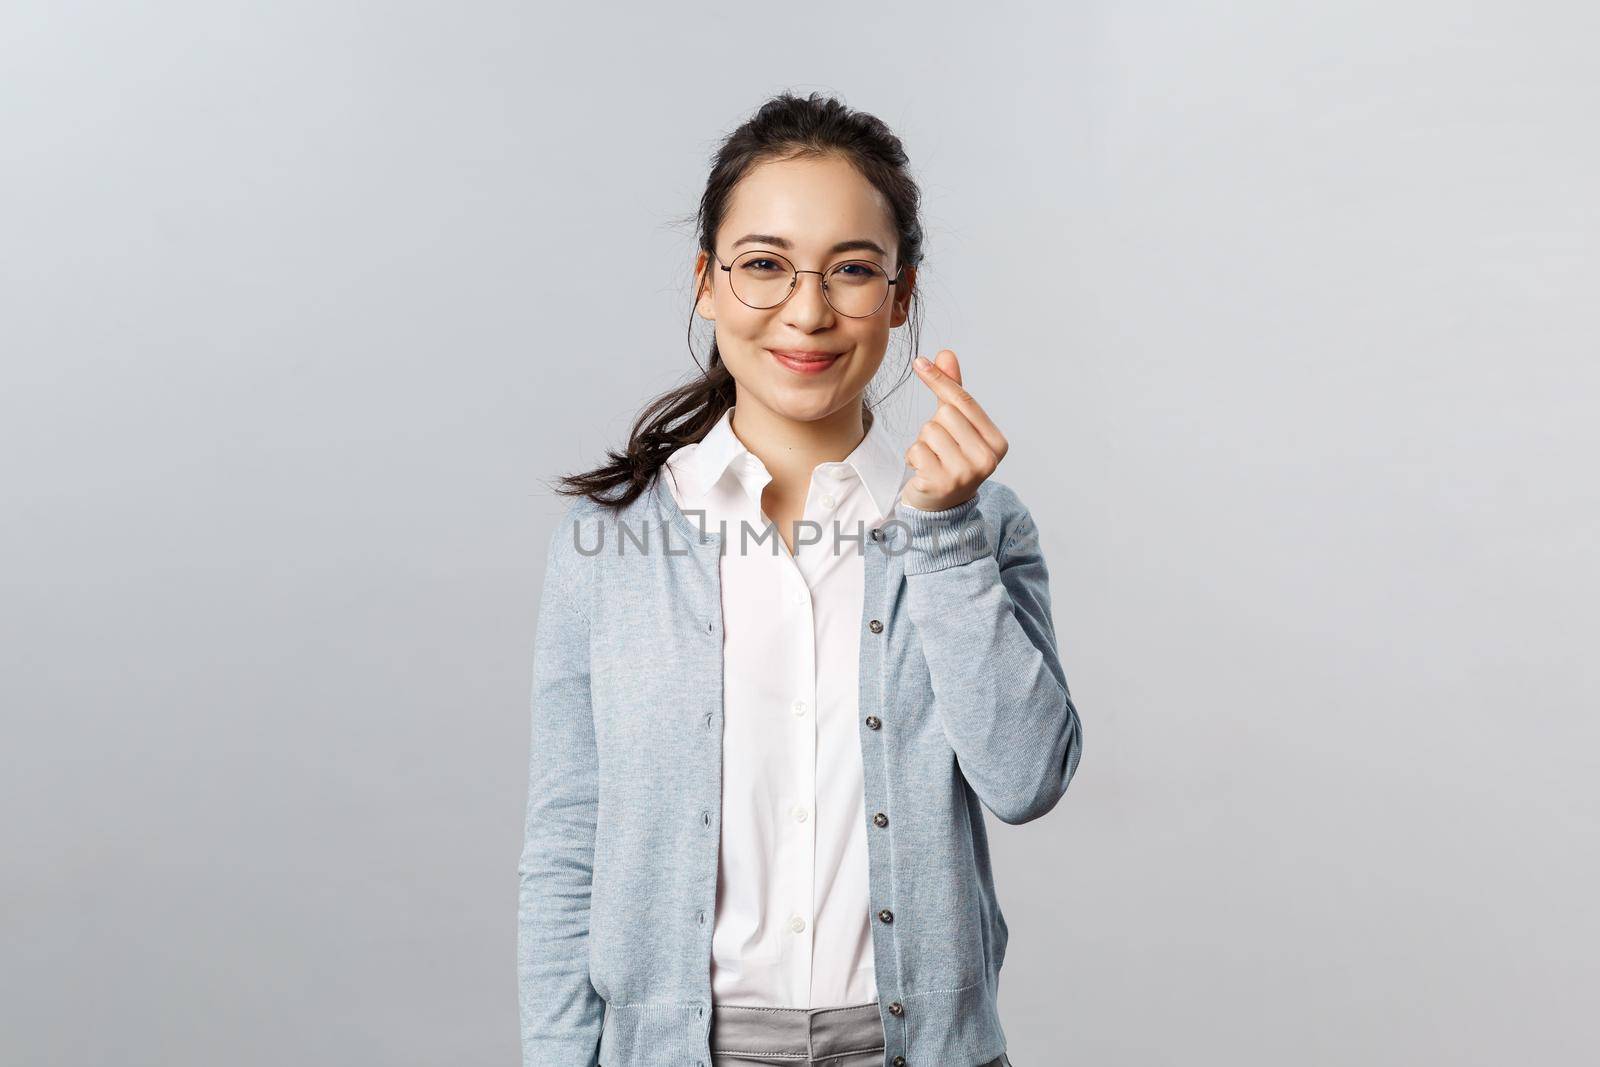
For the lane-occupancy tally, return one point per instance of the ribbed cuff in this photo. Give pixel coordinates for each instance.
(940, 539)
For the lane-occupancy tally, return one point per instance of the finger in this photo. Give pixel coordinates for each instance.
(951, 366)
(926, 463)
(949, 391)
(971, 442)
(952, 458)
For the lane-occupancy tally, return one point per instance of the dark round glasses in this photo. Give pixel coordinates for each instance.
(855, 288)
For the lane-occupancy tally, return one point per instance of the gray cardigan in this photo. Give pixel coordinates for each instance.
(963, 700)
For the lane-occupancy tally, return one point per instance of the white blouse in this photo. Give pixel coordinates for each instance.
(793, 914)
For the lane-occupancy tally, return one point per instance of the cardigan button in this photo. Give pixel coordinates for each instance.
(899, 1061)
(875, 626)
(886, 916)
(896, 1010)
(880, 819)
(876, 534)
(873, 722)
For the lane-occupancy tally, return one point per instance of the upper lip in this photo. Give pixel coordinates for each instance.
(803, 353)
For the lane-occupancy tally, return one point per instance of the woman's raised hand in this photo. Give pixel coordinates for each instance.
(956, 449)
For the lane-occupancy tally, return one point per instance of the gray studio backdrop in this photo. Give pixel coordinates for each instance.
(1289, 312)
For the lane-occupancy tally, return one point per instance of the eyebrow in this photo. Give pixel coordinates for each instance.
(860, 243)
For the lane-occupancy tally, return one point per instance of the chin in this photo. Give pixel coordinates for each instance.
(809, 406)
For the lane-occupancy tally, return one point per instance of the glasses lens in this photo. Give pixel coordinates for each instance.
(761, 279)
(857, 288)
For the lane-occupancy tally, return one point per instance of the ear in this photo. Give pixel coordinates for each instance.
(704, 305)
(902, 298)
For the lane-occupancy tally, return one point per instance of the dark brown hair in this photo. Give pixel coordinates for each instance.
(785, 127)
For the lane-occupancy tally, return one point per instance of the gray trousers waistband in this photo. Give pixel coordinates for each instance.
(797, 1035)
(801, 1037)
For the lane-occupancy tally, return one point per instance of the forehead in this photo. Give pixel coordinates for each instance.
(812, 202)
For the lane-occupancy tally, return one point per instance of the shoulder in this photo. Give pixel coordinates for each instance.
(1005, 511)
(584, 519)
(580, 516)
(1000, 503)
(581, 511)
(996, 498)
(587, 532)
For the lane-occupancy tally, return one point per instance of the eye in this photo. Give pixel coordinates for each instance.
(760, 265)
(857, 269)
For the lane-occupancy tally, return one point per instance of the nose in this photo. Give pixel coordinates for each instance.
(807, 307)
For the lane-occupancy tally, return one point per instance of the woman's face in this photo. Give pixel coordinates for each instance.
(801, 209)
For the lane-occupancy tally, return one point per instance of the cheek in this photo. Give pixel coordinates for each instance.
(738, 321)
(869, 356)
(872, 337)
(738, 344)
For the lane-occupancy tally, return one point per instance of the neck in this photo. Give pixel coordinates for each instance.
(791, 448)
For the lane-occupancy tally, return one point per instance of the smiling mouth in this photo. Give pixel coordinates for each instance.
(805, 362)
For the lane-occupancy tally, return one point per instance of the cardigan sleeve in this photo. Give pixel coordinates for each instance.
(982, 612)
(561, 1012)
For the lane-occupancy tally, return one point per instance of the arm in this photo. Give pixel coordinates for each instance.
(561, 1013)
(983, 614)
